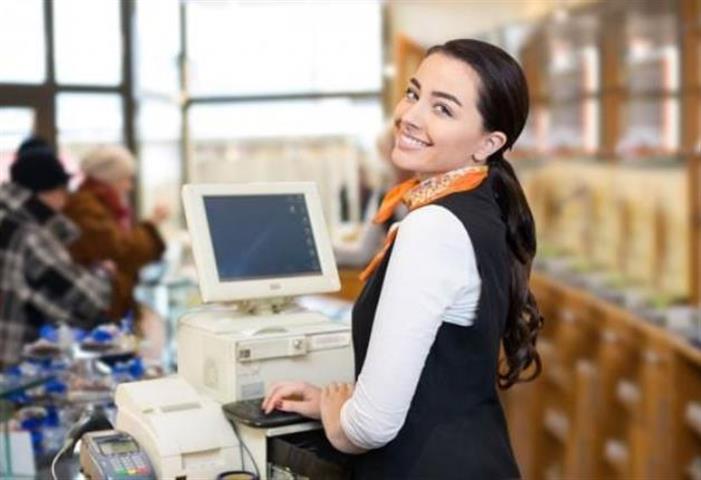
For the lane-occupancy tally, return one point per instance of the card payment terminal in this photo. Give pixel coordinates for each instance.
(110, 454)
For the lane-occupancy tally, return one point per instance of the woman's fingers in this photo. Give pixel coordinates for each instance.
(308, 408)
(280, 391)
(276, 395)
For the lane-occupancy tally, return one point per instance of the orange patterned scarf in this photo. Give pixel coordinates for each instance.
(414, 194)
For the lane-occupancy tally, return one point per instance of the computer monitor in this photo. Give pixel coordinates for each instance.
(259, 240)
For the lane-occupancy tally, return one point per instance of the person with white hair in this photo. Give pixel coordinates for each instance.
(101, 208)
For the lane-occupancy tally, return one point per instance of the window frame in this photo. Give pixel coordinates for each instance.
(42, 96)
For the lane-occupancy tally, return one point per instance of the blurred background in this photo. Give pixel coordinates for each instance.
(230, 91)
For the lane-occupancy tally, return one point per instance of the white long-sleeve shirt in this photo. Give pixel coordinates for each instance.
(431, 278)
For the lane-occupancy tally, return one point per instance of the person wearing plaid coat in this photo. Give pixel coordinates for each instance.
(39, 281)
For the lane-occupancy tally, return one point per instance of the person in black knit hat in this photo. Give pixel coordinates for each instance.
(37, 169)
(31, 142)
(41, 283)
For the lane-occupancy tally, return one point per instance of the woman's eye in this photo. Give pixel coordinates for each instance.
(443, 110)
(410, 94)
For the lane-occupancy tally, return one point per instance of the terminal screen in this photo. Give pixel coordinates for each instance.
(261, 236)
(114, 447)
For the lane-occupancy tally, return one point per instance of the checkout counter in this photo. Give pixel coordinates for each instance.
(256, 247)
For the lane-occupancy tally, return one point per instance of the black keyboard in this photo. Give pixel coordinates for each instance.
(249, 412)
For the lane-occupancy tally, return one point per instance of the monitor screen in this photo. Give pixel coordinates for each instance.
(259, 240)
(261, 236)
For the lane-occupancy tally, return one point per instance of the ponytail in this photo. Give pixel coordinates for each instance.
(503, 103)
(523, 321)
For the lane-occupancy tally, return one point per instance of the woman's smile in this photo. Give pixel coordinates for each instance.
(410, 142)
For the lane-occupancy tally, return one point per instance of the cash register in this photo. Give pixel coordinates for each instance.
(257, 247)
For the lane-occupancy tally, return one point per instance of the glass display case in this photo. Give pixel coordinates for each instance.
(9, 387)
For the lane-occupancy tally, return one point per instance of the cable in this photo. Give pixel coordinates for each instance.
(243, 459)
(92, 419)
(66, 446)
(241, 442)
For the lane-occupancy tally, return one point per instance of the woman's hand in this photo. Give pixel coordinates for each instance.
(160, 213)
(333, 397)
(298, 397)
(108, 267)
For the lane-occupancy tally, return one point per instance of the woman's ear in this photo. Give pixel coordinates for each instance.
(491, 143)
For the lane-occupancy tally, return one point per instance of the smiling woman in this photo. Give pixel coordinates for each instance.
(450, 286)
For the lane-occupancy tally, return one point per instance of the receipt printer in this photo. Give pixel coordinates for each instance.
(184, 434)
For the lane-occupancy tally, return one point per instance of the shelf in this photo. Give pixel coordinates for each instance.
(651, 94)
(578, 98)
(10, 386)
(626, 317)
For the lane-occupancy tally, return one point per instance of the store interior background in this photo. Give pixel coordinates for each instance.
(231, 91)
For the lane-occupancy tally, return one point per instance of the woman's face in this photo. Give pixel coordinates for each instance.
(437, 125)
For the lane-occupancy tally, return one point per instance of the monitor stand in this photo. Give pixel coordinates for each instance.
(251, 316)
(266, 306)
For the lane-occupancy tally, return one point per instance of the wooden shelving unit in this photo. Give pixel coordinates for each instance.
(691, 130)
(634, 406)
(637, 188)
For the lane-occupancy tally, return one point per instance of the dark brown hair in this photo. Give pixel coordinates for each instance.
(503, 105)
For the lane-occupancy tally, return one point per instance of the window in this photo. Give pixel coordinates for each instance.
(301, 140)
(159, 112)
(157, 47)
(22, 45)
(16, 124)
(160, 160)
(312, 71)
(248, 48)
(293, 118)
(85, 120)
(87, 37)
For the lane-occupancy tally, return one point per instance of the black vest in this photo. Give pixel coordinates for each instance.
(455, 427)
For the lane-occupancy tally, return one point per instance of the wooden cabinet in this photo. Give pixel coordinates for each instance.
(619, 398)
(687, 416)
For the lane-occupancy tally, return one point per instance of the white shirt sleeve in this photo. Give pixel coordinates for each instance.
(431, 277)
